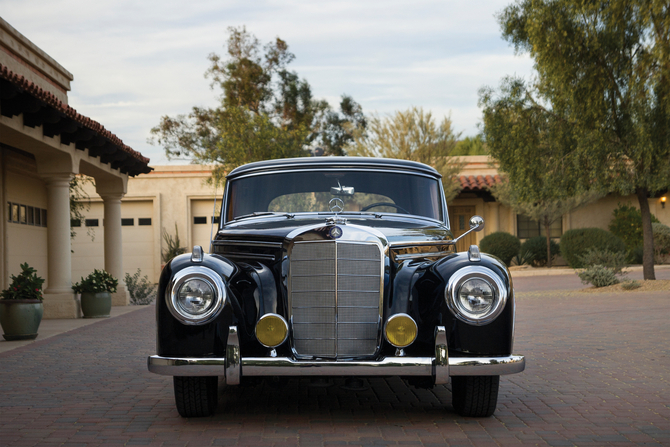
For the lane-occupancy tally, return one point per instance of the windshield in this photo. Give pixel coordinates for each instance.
(312, 191)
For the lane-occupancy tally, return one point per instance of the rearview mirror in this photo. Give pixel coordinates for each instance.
(340, 190)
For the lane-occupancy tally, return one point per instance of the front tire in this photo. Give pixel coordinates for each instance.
(196, 396)
(475, 396)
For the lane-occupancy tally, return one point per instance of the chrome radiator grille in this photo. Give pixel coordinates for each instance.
(335, 292)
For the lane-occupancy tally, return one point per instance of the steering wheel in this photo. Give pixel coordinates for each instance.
(399, 208)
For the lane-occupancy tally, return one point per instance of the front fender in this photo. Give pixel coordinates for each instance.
(173, 338)
(493, 339)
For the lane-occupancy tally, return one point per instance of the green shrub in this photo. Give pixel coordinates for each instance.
(661, 242)
(535, 250)
(614, 260)
(96, 282)
(626, 224)
(575, 243)
(635, 255)
(26, 286)
(501, 245)
(141, 290)
(599, 276)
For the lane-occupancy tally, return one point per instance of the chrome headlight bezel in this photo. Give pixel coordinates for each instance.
(475, 272)
(201, 273)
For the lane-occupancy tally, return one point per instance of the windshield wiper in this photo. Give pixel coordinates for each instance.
(261, 213)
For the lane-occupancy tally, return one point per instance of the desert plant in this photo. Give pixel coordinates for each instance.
(575, 243)
(611, 259)
(599, 276)
(630, 284)
(536, 250)
(141, 290)
(502, 245)
(661, 242)
(26, 286)
(522, 258)
(97, 282)
(172, 245)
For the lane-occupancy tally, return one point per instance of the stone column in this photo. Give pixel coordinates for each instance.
(113, 245)
(494, 217)
(59, 299)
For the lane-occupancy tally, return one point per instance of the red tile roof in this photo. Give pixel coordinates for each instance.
(51, 100)
(478, 182)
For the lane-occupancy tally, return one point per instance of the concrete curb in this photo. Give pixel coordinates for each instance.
(555, 271)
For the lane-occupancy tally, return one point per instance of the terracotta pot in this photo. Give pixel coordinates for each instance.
(96, 305)
(20, 319)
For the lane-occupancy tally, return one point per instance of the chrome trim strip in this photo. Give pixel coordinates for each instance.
(284, 366)
(486, 366)
(441, 367)
(232, 360)
(439, 254)
(248, 243)
(247, 256)
(411, 244)
(390, 366)
(174, 366)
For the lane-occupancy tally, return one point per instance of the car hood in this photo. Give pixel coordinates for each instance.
(398, 231)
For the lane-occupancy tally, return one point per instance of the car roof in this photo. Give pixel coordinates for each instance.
(308, 163)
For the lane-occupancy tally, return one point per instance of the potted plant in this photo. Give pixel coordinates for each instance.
(96, 293)
(21, 305)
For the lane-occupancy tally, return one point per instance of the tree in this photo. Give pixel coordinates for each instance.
(411, 135)
(266, 111)
(533, 150)
(602, 72)
(471, 146)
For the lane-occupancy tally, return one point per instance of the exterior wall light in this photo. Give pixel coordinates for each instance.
(663, 199)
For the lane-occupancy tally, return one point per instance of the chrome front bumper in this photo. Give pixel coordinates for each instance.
(233, 366)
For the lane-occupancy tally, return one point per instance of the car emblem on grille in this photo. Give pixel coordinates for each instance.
(335, 232)
(336, 205)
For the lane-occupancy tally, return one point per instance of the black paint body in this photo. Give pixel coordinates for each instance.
(251, 258)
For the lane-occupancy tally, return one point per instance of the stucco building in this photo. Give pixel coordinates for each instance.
(43, 143)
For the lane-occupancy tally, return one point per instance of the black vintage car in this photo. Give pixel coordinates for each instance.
(335, 267)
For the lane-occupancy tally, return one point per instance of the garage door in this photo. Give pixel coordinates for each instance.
(138, 230)
(204, 222)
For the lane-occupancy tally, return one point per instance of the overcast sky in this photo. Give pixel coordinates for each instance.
(134, 61)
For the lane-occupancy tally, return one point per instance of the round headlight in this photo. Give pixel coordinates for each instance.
(196, 295)
(271, 330)
(401, 330)
(476, 295)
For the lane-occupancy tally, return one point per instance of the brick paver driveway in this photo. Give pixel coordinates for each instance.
(597, 374)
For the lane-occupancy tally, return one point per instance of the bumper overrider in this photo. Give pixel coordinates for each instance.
(233, 366)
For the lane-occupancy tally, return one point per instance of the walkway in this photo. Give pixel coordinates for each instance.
(597, 374)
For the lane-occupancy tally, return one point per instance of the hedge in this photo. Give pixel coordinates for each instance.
(575, 243)
(501, 245)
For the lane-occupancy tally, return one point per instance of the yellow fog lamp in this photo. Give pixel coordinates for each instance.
(271, 330)
(400, 330)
